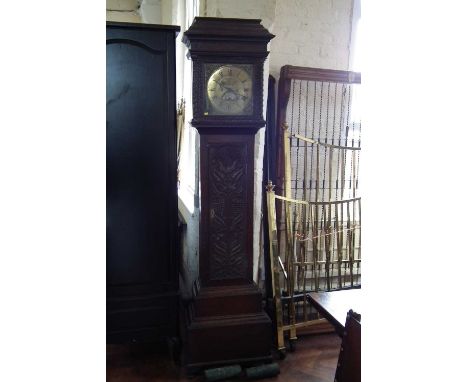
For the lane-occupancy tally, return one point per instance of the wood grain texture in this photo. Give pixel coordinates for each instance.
(318, 74)
(335, 305)
(349, 361)
(314, 360)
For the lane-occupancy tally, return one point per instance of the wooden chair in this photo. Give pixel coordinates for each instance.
(349, 362)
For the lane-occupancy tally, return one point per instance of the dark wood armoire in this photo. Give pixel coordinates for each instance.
(142, 251)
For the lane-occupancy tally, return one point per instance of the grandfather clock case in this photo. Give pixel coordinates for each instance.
(225, 321)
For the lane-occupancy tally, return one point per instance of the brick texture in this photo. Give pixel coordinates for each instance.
(318, 30)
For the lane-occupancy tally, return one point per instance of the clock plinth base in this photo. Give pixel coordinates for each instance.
(227, 325)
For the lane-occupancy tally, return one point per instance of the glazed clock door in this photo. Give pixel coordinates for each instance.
(142, 280)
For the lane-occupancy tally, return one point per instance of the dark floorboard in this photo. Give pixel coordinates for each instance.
(314, 360)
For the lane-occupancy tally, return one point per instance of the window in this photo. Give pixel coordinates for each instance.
(188, 188)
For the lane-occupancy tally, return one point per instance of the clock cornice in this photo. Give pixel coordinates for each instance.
(246, 36)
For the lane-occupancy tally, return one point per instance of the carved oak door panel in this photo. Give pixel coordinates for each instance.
(228, 191)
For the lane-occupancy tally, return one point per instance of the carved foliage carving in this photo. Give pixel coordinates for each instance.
(228, 211)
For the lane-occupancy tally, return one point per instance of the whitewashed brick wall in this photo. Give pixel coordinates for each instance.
(123, 10)
(313, 33)
(243, 9)
(151, 11)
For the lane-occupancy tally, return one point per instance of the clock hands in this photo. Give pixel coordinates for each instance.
(229, 89)
(237, 94)
(221, 85)
(228, 92)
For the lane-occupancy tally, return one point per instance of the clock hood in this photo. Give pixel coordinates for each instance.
(246, 36)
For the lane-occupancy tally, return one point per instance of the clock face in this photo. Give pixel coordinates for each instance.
(229, 90)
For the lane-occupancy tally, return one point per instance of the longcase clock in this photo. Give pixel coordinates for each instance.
(226, 322)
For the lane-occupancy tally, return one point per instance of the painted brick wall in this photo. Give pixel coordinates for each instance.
(313, 33)
(123, 10)
(141, 11)
(258, 9)
(151, 11)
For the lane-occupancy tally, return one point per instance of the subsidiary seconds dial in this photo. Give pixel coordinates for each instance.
(229, 91)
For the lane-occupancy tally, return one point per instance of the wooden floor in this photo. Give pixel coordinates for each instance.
(314, 361)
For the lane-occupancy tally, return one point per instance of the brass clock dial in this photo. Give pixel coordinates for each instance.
(229, 91)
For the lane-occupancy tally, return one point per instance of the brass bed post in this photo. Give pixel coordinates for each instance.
(289, 255)
(274, 253)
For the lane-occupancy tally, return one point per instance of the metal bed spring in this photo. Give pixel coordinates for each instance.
(322, 253)
(323, 105)
(315, 220)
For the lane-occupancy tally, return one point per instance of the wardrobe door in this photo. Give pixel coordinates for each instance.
(142, 274)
